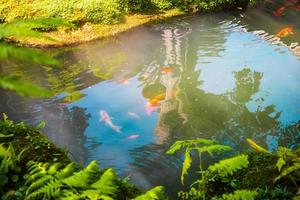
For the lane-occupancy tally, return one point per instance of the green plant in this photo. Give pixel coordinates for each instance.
(238, 195)
(50, 181)
(200, 146)
(10, 171)
(156, 193)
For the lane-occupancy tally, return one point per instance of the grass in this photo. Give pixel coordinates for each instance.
(89, 31)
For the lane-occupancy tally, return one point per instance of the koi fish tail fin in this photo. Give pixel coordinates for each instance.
(116, 128)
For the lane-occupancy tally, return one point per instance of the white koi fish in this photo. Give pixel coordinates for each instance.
(133, 115)
(107, 120)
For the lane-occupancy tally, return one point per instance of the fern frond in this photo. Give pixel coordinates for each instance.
(53, 168)
(156, 193)
(44, 180)
(186, 164)
(83, 178)
(188, 143)
(67, 171)
(229, 166)
(240, 195)
(47, 192)
(106, 185)
(217, 148)
(69, 195)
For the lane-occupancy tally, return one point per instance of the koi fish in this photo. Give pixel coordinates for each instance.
(256, 146)
(107, 120)
(123, 82)
(285, 32)
(166, 70)
(132, 137)
(279, 11)
(150, 108)
(133, 115)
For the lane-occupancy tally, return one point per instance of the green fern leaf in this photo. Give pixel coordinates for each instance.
(39, 183)
(67, 171)
(188, 143)
(156, 193)
(229, 166)
(186, 164)
(106, 185)
(217, 148)
(240, 195)
(47, 192)
(84, 178)
(280, 163)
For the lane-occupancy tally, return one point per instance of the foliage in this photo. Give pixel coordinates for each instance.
(288, 164)
(229, 166)
(156, 193)
(9, 166)
(243, 176)
(239, 195)
(198, 145)
(78, 11)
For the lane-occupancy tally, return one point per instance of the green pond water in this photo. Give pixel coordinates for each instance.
(221, 76)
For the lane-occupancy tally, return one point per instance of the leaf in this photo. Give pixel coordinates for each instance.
(280, 163)
(229, 166)
(288, 171)
(6, 136)
(256, 146)
(156, 193)
(106, 185)
(41, 125)
(188, 143)
(217, 148)
(186, 164)
(240, 195)
(4, 152)
(24, 88)
(83, 178)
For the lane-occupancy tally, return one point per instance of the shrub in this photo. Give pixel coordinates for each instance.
(97, 11)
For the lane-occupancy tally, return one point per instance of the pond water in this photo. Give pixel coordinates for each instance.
(123, 101)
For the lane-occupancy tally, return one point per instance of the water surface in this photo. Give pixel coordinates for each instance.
(222, 76)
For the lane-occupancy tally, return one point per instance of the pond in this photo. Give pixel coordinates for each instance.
(124, 100)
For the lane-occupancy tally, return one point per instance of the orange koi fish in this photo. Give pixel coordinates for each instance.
(285, 32)
(166, 70)
(279, 11)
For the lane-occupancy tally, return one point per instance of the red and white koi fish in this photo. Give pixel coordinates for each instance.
(132, 137)
(133, 115)
(107, 120)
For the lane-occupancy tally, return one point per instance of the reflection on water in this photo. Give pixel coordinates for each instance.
(225, 77)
